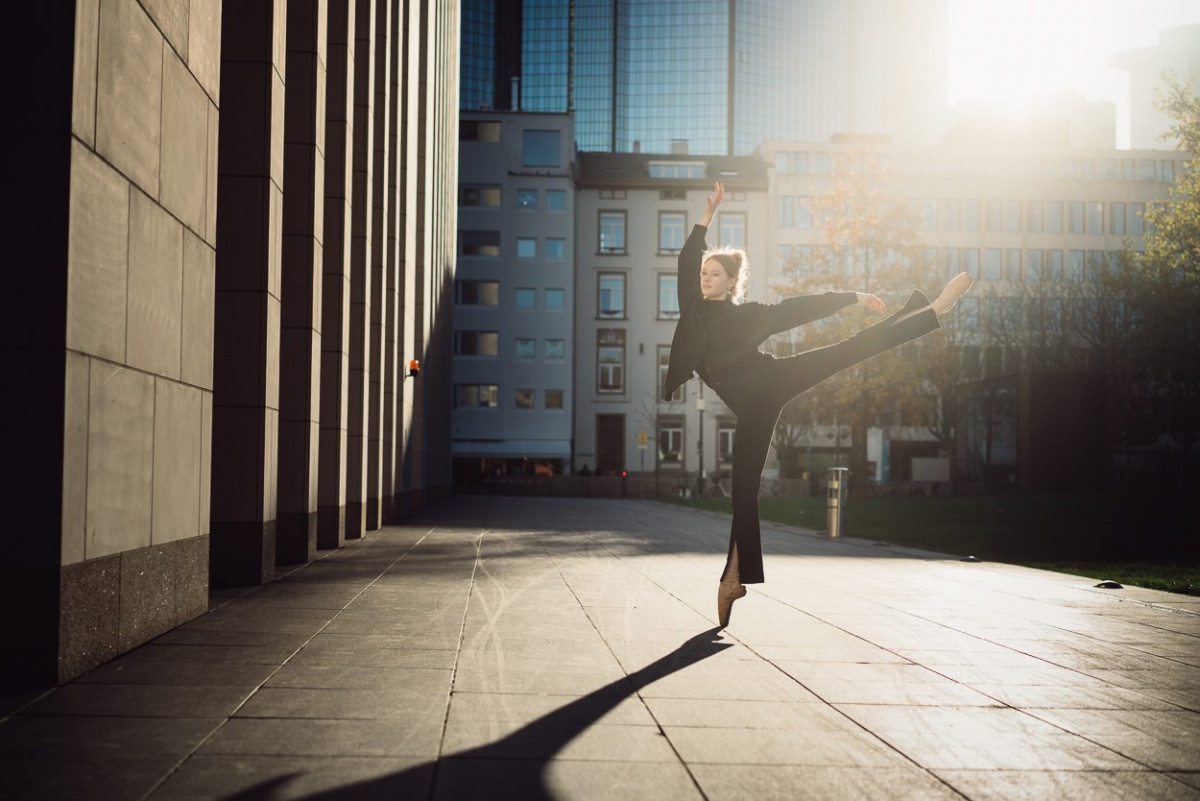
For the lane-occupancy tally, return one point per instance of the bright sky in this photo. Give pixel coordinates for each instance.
(1011, 50)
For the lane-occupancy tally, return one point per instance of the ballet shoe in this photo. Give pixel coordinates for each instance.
(955, 289)
(726, 595)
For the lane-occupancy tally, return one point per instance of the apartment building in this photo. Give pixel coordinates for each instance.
(633, 214)
(514, 286)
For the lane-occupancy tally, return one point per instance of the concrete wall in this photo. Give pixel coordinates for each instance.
(186, 413)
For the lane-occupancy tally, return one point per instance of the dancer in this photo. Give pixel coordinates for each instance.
(718, 336)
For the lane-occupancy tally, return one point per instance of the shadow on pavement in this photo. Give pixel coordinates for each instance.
(526, 753)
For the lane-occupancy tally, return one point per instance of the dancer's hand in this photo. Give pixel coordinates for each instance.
(872, 302)
(711, 202)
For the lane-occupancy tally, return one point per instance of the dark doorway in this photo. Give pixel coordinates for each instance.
(610, 444)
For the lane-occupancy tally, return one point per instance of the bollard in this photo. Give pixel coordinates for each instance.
(835, 499)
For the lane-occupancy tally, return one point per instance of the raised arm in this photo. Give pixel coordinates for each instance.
(693, 250)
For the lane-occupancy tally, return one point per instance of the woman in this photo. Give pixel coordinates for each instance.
(717, 337)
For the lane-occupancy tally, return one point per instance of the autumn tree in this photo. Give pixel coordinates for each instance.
(868, 242)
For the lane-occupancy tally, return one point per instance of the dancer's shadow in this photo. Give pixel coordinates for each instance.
(526, 753)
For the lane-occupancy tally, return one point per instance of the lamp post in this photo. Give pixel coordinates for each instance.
(700, 445)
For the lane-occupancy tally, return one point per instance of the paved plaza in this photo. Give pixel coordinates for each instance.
(542, 648)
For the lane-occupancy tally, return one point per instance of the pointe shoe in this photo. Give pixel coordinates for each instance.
(955, 289)
(726, 595)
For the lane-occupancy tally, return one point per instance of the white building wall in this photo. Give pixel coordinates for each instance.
(523, 213)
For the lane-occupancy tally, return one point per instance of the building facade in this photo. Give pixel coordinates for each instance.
(1177, 53)
(726, 75)
(634, 213)
(720, 75)
(1033, 226)
(198, 408)
(515, 280)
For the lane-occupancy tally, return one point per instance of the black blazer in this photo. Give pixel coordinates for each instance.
(738, 328)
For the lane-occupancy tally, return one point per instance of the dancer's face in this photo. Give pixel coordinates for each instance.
(715, 283)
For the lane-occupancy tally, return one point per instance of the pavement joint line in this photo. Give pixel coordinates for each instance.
(462, 633)
(591, 534)
(222, 723)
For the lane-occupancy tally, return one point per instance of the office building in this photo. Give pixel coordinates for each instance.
(186, 408)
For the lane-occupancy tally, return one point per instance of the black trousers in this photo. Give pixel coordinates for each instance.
(758, 393)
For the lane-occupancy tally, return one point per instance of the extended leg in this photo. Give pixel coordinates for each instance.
(796, 374)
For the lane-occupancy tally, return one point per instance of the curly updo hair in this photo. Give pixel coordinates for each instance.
(736, 264)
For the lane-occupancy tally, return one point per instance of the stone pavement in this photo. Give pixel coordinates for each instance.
(536, 648)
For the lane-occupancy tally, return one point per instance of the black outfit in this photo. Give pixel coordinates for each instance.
(719, 340)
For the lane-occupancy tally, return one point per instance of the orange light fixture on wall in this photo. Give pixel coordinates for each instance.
(414, 368)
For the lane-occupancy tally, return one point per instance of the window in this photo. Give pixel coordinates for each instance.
(526, 248)
(725, 440)
(1076, 218)
(1035, 217)
(804, 216)
(1012, 264)
(1033, 265)
(552, 399)
(954, 215)
(929, 214)
(671, 226)
(1054, 265)
(610, 360)
(786, 213)
(477, 395)
(668, 296)
(664, 360)
(527, 199)
(526, 298)
(1116, 218)
(477, 343)
(556, 350)
(991, 264)
(478, 293)
(1054, 217)
(477, 131)
(479, 196)
(733, 229)
(672, 194)
(612, 232)
(480, 243)
(970, 261)
(556, 248)
(1075, 265)
(670, 441)
(970, 215)
(1012, 216)
(678, 169)
(540, 148)
(524, 398)
(1095, 217)
(526, 350)
(556, 299)
(610, 296)
(1146, 169)
(556, 200)
(1166, 171)
(1133, 220)
(994, 220)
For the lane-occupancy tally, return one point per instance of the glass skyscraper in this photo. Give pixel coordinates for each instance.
(721, 76)
(515, 56)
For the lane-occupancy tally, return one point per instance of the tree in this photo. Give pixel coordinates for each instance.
(1161, 348)
(869, 243)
